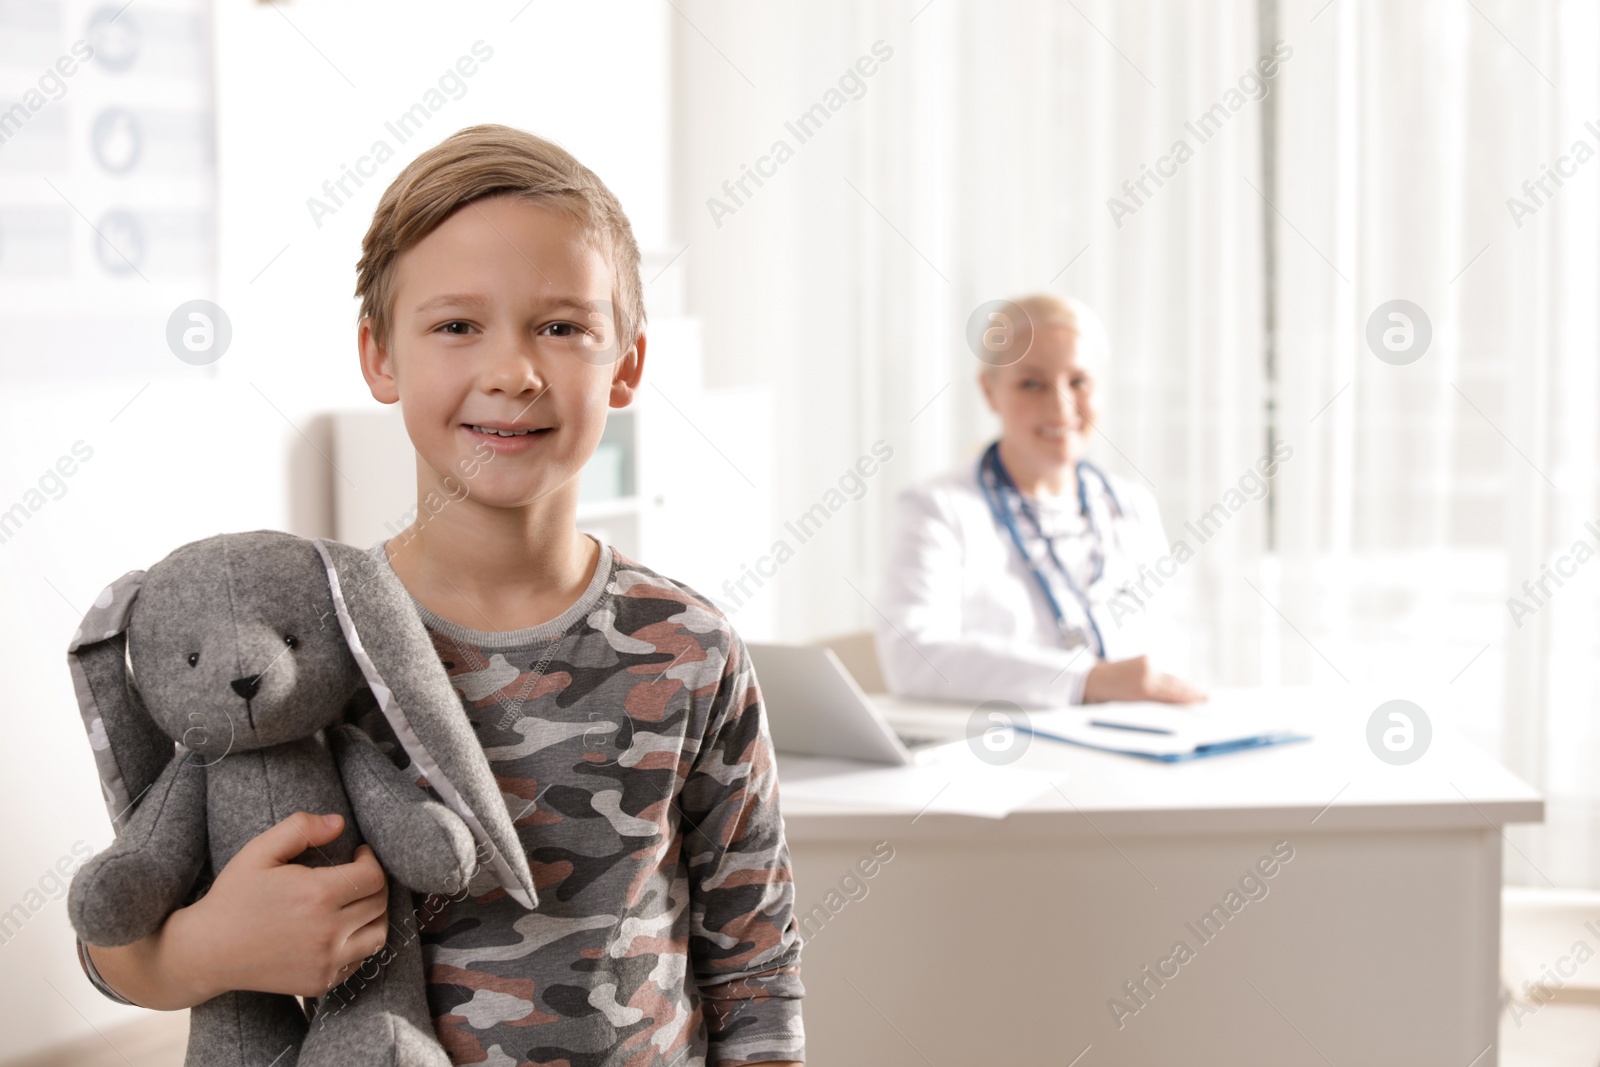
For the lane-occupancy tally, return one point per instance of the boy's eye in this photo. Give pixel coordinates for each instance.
(194, 657)
(563, 329)
(447, 327)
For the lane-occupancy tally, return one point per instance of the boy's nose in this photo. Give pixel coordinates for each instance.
(246, 687)
(514, 371)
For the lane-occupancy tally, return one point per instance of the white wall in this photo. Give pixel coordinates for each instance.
(202, 450)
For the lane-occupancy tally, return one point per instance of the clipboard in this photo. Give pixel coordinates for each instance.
(1166, 733)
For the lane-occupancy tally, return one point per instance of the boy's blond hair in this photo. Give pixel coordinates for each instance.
(488, 160)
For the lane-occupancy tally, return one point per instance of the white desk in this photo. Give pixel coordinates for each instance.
(1003, 941)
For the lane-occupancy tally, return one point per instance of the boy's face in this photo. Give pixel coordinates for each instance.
(502, 321)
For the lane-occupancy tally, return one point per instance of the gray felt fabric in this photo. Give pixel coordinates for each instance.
(118, 730)
(154, 862)
(418, 833)
(380, 1006)
(245, 651)
(431, 724)
(234, 1026)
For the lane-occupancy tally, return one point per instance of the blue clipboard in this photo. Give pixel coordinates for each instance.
(1218, 748)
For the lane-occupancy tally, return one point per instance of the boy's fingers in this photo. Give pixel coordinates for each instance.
(368, 864)
(362, 911)
(369, 939)
(281, 843)
(358, 879)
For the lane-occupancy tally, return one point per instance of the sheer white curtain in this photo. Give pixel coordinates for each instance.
(976, 164)
(1430, 492)
(978, 161)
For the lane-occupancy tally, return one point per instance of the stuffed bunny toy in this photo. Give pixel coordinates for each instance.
(215, 688)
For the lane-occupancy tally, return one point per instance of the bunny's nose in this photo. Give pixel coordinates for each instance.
(246, 687)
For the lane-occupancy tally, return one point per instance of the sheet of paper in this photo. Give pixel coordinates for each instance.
(957, 786)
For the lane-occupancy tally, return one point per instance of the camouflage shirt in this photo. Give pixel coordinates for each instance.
(631, 746)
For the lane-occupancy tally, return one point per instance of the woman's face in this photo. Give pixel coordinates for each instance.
(1045, 400)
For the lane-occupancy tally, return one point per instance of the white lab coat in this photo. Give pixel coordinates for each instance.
(962, 616)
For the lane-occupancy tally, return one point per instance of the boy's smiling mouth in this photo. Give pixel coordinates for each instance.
(504, 431)
(506, 436)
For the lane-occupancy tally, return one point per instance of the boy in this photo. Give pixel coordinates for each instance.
(502, 309)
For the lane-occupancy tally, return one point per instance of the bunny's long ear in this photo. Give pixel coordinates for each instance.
(404, 673)
(130, 751)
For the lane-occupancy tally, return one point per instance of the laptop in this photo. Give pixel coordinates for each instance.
(816, 708)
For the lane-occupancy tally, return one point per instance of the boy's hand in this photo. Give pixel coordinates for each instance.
(275, 926)
(1136, 679)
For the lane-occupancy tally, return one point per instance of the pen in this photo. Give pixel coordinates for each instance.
(1126, 726)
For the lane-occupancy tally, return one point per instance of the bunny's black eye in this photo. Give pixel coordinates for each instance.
(291, 640)
(194, 657)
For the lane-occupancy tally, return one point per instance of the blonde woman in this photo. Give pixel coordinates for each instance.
(1003, 572)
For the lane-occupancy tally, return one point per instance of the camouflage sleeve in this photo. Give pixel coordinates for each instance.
(744, 945)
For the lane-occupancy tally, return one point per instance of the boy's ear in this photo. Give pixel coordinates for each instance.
(625, 381)
(377, 367)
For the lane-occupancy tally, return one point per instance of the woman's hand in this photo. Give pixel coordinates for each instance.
(1136, 679)
(266, 924)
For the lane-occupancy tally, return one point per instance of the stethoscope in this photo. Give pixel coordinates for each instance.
(998, 488)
